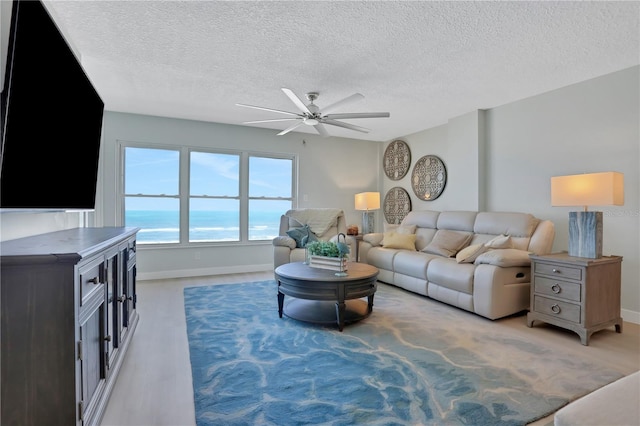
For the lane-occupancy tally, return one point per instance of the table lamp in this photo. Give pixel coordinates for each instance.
(590, 189)
(368, 201)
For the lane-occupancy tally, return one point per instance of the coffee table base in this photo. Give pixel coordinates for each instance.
(325, 312)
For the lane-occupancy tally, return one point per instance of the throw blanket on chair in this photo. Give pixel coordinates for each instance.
(319, 220)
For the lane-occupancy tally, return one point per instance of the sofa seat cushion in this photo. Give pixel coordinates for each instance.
(451, 274)
(412, 263)
(381, 257)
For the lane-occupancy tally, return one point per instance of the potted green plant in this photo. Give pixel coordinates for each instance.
(328, 254)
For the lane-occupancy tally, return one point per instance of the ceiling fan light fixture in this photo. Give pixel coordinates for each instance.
(311, 115)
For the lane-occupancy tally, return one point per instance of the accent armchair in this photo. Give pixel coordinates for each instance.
(299, 226)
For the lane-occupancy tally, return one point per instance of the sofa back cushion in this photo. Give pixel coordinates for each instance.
(519, 226)
(457, 220)
(426, 223)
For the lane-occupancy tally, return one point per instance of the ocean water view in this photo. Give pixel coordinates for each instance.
(162, 226)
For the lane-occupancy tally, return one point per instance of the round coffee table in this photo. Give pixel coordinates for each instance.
(321, 297)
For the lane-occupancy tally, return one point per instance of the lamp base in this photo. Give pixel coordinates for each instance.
(368, 222)
(585, 234)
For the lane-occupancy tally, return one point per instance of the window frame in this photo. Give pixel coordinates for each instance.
(184, 196)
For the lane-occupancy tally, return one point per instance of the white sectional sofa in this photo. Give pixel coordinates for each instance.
(616, 404)
(477, 261)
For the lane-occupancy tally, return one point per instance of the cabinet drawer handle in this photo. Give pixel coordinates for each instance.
(107, 338)
(555, 271)
(555, 308)
(555, 288)
(122, 298)
(94, 280)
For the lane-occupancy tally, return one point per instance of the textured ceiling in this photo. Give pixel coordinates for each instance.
(424, 62)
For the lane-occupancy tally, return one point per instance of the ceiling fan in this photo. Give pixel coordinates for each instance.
(311, 115)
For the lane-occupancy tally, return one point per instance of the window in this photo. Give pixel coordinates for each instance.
(269, 195)
(151, 188)
(232, 196)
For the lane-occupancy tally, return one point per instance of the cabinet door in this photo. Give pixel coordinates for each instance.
(92, 359)
(130, 286)
(112, 319)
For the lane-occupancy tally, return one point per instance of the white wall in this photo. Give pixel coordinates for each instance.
(592, 126)
(499, 159)
(502, 159)
(330, 172)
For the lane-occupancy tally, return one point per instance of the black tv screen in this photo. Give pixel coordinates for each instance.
(52, 119)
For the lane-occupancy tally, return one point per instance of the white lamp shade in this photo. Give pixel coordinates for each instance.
(590, 189)
(367, 201)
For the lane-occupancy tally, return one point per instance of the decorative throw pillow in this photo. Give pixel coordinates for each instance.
(302, 235)
(399, 241)
(505, 257)
(447, 243)
(500, 242)
(400, 229)
(469, 253)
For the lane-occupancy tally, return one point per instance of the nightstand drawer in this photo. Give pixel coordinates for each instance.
(556, 308)
(562, 289)
(555, 269)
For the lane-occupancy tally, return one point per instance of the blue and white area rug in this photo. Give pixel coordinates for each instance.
(414, 361)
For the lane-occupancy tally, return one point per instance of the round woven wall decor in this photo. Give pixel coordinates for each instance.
(397, 204)
(396, 160)
(428, 178)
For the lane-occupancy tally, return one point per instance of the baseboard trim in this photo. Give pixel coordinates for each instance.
(630, 316)
(185, 273)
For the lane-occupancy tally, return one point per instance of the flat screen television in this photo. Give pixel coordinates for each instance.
(51, 118)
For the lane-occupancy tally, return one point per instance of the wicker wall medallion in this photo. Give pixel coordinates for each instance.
(397, 204)
(428, 178)
(396, 160)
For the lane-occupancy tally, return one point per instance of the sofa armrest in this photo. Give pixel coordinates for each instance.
(284, 241)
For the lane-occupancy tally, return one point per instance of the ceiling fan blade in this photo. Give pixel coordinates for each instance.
(343, 102)
(268, 109)
(269, 121)
(296, 100)
(321, 130)
(358, 115)
(345, 125)
(290, 128)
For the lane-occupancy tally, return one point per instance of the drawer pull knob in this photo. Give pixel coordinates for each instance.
(555, 271)
(555, 288)
(94, 280)
(555, 308)
(107, 338)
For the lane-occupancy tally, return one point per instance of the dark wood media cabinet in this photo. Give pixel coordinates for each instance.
(68, 313)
